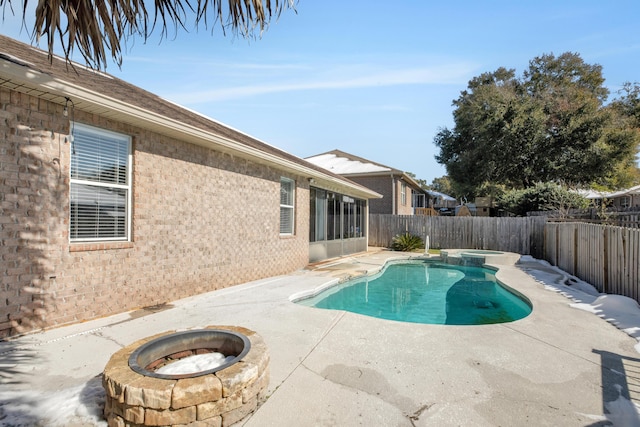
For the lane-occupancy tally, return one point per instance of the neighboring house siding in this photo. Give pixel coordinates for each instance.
(382, 185)
(386, 185)
(628, 201)
(404, 205)
(202, 220)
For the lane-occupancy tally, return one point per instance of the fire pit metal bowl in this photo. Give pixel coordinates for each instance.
(184, 344)
(138, 396)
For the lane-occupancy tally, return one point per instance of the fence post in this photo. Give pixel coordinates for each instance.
(555, 255)
(575, 251)
(605, 255)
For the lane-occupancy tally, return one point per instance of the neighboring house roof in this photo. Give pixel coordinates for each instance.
(627, 192)
(349, 165)
(592, 194)
(27, 69)
(346, 165)
(442, 196)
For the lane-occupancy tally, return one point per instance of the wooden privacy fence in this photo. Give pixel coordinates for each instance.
(630, 219)
(607, 257)
(521, 235)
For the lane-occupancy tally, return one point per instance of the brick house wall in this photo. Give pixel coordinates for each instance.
(202, 220)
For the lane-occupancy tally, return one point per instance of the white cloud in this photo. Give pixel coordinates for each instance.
(185, 63)
(616, 51)
(348, 78)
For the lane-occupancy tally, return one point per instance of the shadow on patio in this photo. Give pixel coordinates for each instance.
(620, 377)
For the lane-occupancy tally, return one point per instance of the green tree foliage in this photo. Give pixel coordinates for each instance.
(449, 187)
(627, 111)
(541, 197)
(549, 125)
(97, 27)
(421, 182)
(442, 185)
(629, 103)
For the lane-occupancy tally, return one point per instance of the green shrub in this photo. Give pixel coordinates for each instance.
(545, 196)
(406, 242)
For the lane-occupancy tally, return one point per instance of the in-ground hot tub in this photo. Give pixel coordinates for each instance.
(478, 257)
(137, 395)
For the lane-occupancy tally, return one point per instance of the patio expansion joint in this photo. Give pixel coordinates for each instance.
(372, 394)
(333, 324)
(506, 326)
(403, 404)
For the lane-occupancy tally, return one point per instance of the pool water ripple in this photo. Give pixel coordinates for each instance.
(427, 292)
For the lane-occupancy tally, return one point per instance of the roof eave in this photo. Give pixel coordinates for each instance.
(93, 101)
(394, 172)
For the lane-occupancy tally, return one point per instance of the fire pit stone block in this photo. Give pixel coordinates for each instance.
(216, 399)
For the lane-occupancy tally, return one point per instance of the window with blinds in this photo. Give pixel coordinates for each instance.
(100, 186)
(287, 197)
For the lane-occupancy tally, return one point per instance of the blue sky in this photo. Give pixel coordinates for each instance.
(372, 78)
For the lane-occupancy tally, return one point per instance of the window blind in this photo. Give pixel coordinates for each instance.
(98, 212)
(99, 156)
(100, 187)
(287, 188)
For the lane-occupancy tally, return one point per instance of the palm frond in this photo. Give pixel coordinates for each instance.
(97, 28)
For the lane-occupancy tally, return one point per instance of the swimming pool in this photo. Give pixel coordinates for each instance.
(428, 292)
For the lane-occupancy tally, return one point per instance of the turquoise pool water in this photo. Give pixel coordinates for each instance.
(427, 292)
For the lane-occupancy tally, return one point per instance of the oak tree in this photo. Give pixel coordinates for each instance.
(550, 125)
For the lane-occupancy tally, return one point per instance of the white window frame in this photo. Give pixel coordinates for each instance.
(286, 207)
(127, 187)
(625, 202)
(403, 193)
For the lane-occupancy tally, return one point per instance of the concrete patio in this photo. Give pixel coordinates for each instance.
(558, 366)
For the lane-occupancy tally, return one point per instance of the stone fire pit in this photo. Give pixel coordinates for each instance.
(137, 396)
